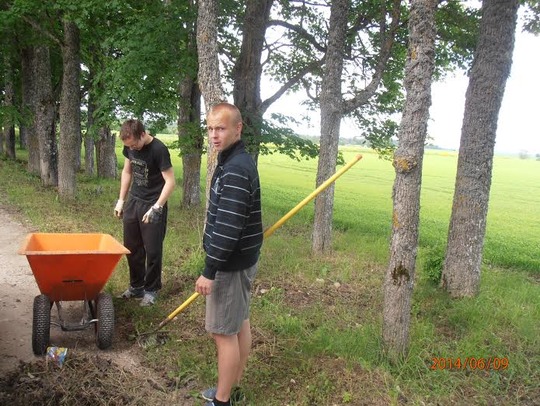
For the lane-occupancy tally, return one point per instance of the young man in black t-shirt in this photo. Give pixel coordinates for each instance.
(148, 177)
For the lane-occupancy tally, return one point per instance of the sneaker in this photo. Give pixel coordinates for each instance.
(237, 395)
(209, 394)
(149, 299)
(132, 293)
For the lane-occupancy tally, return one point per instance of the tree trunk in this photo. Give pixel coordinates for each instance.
(490, 70)
(70, 115)
(331, 114)
(209, 74)
(106, 156)
(89, 143)
(30, 100)
(248, 70)
(189, 112)
(9, 136)
(28, 134)
(9, 102)
(44, 114)
(399, 280)
(89, 147)
(99, 142)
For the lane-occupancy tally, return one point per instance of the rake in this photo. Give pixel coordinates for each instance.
(267, 233)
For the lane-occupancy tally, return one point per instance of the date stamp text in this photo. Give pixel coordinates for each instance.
(471, 363)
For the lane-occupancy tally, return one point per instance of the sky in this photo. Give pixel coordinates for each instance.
(518, 128)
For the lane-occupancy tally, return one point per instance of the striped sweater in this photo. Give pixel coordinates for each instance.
(233, 232)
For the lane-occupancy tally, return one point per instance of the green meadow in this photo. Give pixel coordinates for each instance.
(317, 320)
(363, 204)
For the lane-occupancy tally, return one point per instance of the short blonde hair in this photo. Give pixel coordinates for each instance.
(235, 114)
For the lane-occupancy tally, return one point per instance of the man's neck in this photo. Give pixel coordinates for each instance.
(147, 138)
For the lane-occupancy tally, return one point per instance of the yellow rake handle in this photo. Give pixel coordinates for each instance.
(269, 231)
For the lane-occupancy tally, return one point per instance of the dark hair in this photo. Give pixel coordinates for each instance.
(132, 128)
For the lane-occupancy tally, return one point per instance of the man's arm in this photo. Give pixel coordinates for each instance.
(125, 179)
(125, 182)
(155, 212)
(168, 188)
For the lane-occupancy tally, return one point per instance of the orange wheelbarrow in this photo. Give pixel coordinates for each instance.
(72, 267)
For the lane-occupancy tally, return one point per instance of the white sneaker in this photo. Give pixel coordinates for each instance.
(149, 299)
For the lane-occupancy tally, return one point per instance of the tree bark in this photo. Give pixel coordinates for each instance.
(70, 116)
(9, 102)
(105, 154)
(248, 70)
(209, 74)
(89, 147)
(331, 114)
(89, 141)
(29, 138)
(44, 115)
(490, 70)
(407, 162)
(189, 113)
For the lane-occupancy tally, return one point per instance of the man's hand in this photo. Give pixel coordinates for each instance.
(153, 215)
(203, 285)
(119, 208)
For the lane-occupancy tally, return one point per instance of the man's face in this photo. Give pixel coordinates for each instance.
(133, 143)
(222, 131)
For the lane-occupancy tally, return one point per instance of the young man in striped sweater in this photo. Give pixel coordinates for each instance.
(232, 241)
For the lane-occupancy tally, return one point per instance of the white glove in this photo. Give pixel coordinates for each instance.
(119, 208)
(153, 215)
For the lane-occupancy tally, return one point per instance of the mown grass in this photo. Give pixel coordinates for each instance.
(317, 320)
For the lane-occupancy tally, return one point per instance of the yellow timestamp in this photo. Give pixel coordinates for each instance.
(472, 363)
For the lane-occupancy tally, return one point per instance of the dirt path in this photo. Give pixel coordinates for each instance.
(17, 291)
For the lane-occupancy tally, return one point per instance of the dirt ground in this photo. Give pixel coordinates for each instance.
(88, 376)
(17, 291)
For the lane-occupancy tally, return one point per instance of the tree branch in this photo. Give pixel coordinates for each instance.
(40, 29)
(290, 83)
(388, 39)
(300, 31)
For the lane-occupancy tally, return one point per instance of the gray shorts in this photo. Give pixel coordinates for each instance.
(228, 305)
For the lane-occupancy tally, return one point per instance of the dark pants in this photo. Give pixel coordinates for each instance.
(145, 242)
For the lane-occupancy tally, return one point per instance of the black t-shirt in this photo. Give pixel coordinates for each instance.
(146, 167)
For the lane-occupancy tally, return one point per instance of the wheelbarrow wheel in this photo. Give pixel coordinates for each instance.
(41, 324)
(105, 321)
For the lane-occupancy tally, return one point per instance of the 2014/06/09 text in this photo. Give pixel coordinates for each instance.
(486, 364)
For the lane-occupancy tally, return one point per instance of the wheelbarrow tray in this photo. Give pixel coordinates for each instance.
(72, 266)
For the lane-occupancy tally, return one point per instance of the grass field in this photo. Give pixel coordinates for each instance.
(317, 320)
